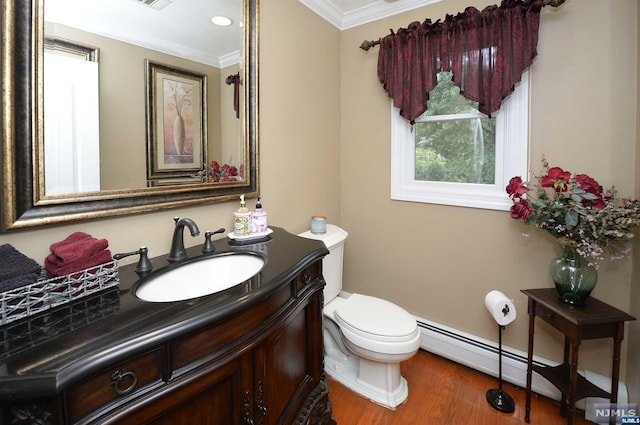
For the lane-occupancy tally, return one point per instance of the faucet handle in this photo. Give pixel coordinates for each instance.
(208, 243)
(144, 264)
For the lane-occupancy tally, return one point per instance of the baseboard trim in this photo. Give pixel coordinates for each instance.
(482, 355)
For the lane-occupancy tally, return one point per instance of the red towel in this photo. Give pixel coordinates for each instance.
(74, 237)
(101, 257)
(75, 251)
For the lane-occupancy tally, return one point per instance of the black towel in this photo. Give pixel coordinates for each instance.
(18, 281)
(16, 269)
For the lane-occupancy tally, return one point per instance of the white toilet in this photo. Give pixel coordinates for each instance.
(365, 338)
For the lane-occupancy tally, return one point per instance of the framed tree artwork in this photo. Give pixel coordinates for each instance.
(176, 122)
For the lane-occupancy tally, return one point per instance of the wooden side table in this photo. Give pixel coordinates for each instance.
(594, 320)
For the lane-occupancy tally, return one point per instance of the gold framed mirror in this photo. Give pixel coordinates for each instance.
(26, 201)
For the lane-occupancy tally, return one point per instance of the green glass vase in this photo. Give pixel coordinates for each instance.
(573, 277)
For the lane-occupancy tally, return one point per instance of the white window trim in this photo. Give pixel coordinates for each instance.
(512, 125)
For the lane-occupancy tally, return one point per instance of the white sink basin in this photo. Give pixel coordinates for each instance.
(200, 278)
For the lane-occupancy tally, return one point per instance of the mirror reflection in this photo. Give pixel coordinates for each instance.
(144, 160)
(156, 101)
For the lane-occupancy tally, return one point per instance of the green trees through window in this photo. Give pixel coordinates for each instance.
(453, 141)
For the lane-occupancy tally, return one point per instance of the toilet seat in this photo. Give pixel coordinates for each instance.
(375, 324)
(375, 318)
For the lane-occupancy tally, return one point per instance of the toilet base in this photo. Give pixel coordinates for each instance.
(378, 382)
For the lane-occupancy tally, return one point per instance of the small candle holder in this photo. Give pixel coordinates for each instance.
(318, 225)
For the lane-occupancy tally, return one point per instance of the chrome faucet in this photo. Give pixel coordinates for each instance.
(177, 251)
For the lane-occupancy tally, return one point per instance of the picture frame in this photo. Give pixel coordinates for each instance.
(176, 114)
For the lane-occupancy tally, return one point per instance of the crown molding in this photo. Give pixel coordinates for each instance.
(345, 19)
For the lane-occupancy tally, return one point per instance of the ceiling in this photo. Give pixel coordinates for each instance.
(183, 28)
(177, 27)
(345, 14)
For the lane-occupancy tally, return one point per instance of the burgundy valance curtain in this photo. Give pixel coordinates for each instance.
(486, 51)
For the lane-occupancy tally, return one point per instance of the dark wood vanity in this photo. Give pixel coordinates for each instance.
(252, 354)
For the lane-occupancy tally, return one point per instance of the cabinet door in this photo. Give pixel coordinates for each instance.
(288, 365)
(219, 395)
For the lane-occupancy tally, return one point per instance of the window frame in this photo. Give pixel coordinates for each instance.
(512, 124)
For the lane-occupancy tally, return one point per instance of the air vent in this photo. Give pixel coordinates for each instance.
(156, 4)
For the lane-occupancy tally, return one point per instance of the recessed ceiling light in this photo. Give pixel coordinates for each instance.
(223, 21)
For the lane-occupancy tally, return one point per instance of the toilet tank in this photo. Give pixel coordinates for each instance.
(333, 239)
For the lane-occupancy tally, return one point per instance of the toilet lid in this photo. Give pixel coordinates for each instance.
(375, 318)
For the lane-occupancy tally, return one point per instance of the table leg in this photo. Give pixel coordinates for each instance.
(565, 359)
(573, 380)
(532, 319)
(615, 371)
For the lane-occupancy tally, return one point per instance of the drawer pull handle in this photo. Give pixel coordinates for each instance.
(306, 277)
(121, 377)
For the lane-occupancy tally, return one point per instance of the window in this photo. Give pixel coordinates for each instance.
(454, 155)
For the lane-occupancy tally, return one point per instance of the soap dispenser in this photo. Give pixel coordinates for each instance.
(259, 218)
(242, 219)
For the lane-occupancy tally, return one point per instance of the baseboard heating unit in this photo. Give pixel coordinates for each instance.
(482, 355)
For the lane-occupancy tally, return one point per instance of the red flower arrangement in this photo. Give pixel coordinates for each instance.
(576, 211)
(225, 172)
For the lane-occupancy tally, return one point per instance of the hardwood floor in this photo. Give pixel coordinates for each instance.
(442, 392)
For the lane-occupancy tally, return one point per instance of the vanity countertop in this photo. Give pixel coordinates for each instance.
(42, 355)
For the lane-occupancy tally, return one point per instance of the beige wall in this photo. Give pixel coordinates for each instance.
(299, 115)
(324, 134)
(230, 127)
(439, 261)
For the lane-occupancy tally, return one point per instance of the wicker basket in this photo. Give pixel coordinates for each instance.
(45, 294)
